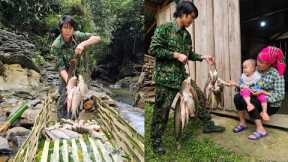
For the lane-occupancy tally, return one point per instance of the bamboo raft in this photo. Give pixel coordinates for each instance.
(120, 136)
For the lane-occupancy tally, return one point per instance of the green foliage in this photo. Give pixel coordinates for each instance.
(27, 14)
(38, 59)
(120, 25)
(118, 22)
(52, 20)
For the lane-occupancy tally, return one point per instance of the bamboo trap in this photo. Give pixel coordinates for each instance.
(122, 142)
(120, 131)
(83, 150)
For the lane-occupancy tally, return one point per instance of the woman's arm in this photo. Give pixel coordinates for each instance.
(278, 93)
(92, 40)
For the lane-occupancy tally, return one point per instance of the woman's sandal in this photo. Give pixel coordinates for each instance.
(257, 135)
(239, 128)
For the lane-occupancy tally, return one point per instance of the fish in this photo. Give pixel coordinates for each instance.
(71, 87)
(61, 133)
(214, 89)
(190, 97)
(83, 86)
(56, 134)
(76, 101)
(184, 104)
(72, 82)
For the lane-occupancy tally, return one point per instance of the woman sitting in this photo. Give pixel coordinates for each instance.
(271, 68)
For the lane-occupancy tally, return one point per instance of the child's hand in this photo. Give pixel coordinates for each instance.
(232, 83)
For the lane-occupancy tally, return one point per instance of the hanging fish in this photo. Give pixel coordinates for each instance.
(184, 104)
(71, 86)
(214, 89)
(83, 86)
(76, 101)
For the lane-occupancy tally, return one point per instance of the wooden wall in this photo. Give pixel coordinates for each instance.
(216, 31)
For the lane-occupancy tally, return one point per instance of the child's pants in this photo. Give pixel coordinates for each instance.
(245, 92)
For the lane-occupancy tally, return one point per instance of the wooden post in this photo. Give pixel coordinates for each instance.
(234, 43)
(204, 38)
(221, 30)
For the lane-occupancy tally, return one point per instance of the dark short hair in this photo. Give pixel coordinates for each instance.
(67, 19)
(185, 7)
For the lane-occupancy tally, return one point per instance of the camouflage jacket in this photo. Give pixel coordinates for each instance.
(168, 38)
(64, 51)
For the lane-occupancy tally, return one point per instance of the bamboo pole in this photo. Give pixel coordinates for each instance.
(74, 150)
(95, 150)
(44, 156)
(121, 132)
(86, 157)
(103, 151)
(55, 155)
(65, 151)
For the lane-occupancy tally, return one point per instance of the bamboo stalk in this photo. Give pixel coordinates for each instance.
(116, 158)
(14, 117)
(125, 142)
(116, 127)
(44, 156)
(55, 155)
(65, 151)
(112, 112)
(103, 151)
(128, 134)
(95, 150)
(130, 147)
(84, 150)
(74, 150)
(28, 149)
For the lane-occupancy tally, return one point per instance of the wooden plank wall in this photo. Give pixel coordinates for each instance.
(216, 31)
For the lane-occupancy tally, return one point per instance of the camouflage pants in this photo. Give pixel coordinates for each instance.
(61, 105)
(163, 101)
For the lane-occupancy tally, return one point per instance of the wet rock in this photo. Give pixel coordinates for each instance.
(126, 82)
(1, 99)
(4, 158)
(18, 78)
(18, 140)
(29, 116)
(11, 101)
(16, 131)
(15, 49)
(115, 86)
(17, 135)
(24, 95)
(4, 146)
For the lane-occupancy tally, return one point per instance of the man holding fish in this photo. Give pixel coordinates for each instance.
(68, 47)
(171, 45)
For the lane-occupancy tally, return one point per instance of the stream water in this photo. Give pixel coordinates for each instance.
(134, 115)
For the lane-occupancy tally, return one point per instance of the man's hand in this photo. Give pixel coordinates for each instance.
(180, 57)
(79, 49)
(64, 75)
(209, 59)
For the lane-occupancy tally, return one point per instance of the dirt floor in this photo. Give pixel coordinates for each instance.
(271, 148)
